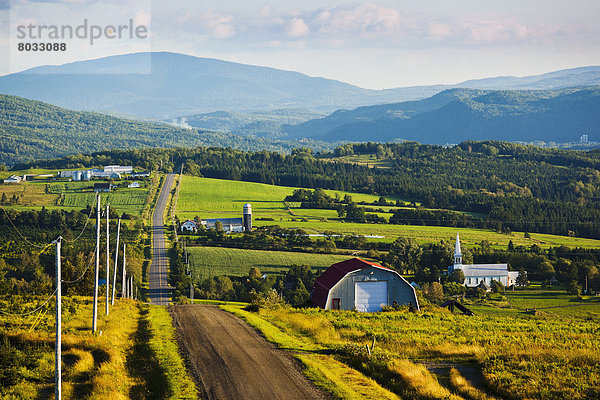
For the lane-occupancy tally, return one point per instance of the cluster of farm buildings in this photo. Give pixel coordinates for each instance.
(228, 225)
(110, 172)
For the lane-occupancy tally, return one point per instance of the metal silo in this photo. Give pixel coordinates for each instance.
(77, 175)
(247, 217)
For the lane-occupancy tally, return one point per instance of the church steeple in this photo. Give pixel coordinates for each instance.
(457, 253)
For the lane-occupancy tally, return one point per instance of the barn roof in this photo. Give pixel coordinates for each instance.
(333, 274)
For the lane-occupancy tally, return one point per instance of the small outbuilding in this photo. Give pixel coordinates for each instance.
(189, 226)
(102, 187)
(361, 285)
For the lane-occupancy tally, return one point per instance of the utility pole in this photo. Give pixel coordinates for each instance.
(58, 341)
(114, 285)
(107, 256)
(97, 272)
(123, 286)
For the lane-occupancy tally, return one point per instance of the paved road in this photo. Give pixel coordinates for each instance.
(229, 360)
(159, 288)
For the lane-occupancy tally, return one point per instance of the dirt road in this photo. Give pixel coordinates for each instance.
(158, 272)
(229, 360)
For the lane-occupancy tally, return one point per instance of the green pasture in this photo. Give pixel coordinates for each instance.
(214, 261)
(553, 301)
(214, 198)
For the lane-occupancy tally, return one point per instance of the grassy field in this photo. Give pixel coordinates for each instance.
(213, 198)
(214, 261)
(133, 356)
(73, 196)
(436, 355)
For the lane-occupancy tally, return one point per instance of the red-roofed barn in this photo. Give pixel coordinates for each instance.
(361, 285)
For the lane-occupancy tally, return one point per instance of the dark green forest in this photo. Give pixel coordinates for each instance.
(509, 186)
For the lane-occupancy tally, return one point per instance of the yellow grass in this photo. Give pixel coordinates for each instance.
(463, 387)
(342, 381)
(421, 381)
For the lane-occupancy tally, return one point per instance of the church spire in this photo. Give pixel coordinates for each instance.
(457, 253)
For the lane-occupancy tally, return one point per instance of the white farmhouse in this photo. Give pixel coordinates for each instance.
(476, 274)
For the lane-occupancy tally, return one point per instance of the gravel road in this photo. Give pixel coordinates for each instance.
(229, 360)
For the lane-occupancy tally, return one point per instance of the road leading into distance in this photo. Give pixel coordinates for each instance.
(160, 292)
(229, 360)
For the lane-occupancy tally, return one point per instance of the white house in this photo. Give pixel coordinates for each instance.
(133, 184)
(478, 273)
(189, 226)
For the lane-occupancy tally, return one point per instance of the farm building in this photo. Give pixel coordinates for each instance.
(361, 285)
(13, 179)
(134, 184)
(476, 274)
(229, 224)
(189, 226)
(102, 187)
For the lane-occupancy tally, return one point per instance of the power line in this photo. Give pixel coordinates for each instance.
(87, 220)
(31, 312)
(19, 232)
(83, 274)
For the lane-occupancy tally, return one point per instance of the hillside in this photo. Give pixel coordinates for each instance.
(32, 130)
(182, 85)
(260, 123)
(465, 114)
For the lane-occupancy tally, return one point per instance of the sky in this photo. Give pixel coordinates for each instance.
(373, 44)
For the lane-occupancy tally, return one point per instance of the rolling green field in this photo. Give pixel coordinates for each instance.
(215, 198)
(214, 261)
(73, 196)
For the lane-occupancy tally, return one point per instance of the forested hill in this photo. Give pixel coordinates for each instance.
(456, 115)
(32, 130)
(513, 186)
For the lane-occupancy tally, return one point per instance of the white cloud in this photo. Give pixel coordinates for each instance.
(296, 28)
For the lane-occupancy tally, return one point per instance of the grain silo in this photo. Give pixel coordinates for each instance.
(77, 175)
(247, 217)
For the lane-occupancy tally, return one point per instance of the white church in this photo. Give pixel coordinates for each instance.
(475, 274)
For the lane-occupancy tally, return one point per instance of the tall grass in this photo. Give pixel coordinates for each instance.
(164, 345)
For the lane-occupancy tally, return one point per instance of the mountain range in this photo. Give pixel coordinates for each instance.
(456, 115)
(181, 85)
(189, 101)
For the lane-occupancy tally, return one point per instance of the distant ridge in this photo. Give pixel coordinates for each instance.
(457, 115)
(182, 85)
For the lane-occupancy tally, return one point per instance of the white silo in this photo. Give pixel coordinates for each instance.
(87, 175)
(77, 175)
(247, 217)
